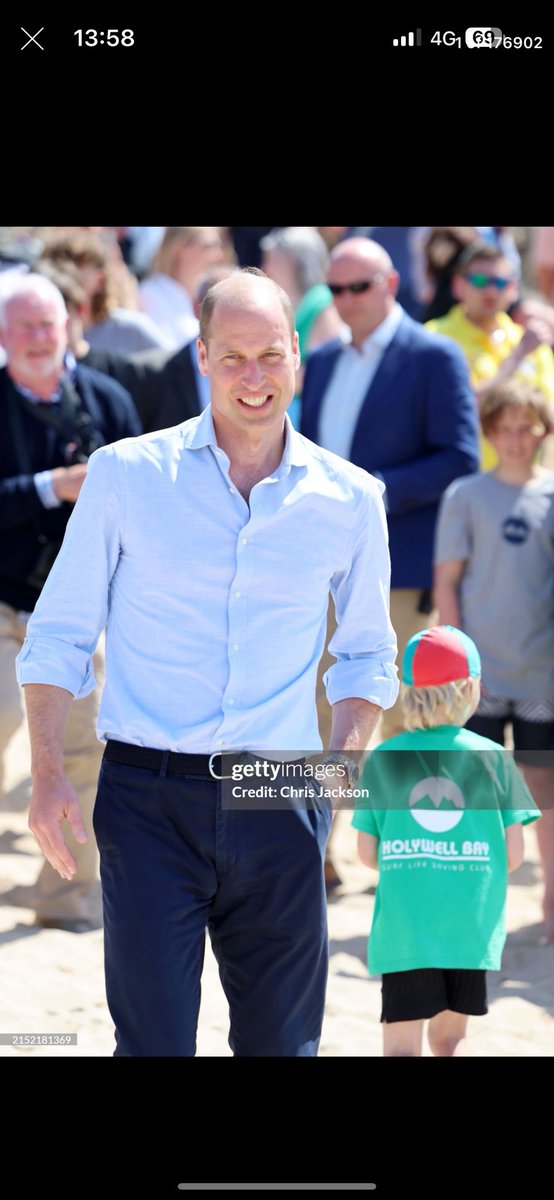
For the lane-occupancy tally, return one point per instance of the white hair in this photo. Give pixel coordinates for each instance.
(307, 250)
(29, 285)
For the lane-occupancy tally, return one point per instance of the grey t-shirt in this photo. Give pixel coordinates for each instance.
(505, 533)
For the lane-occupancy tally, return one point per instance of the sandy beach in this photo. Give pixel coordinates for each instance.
(52, 982)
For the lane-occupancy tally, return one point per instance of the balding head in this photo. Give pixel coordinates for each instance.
(365, 264)
(249, 351)
(243, 290)
(364, 251)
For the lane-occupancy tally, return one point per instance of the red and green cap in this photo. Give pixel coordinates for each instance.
(438, 655)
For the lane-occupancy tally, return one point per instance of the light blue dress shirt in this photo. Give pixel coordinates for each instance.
(215, 609)
(349, 384)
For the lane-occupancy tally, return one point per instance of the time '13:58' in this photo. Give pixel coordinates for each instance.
(105, 37)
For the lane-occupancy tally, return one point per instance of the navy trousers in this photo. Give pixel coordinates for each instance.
(175, 863)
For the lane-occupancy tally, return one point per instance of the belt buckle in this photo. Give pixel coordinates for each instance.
(216, 754)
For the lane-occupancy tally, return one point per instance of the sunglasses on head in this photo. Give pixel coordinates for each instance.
(479, 280)
(363, 285)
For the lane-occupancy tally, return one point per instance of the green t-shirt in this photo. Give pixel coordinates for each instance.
(441, 894)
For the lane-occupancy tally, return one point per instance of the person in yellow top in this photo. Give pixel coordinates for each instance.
(496, 347)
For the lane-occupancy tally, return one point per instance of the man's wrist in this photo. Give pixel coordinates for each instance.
(342, 758)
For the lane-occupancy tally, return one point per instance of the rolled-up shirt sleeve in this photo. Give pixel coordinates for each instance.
(72, 609)
(364, 643)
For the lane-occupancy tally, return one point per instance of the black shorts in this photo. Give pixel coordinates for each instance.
(417, 995)
(533, 740)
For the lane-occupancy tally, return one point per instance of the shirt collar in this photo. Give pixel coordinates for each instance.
(463, 323)
(200, 432)
(70, 367)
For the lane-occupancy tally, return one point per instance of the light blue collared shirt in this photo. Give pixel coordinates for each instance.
(216, 610)
(349, 384)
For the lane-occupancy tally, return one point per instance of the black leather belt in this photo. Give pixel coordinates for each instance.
(214, 766)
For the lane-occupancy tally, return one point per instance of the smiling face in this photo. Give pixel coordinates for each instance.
(34, 337)
(251, 359)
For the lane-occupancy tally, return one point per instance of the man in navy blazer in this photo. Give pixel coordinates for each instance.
(53, 414)
(398, 402)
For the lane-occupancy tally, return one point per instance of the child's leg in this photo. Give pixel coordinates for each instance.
(540, 781)
(447, 1034)
(402, 1039)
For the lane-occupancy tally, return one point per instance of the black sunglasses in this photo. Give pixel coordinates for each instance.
(363, 285)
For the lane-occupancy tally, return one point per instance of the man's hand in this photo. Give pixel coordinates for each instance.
(68, 481)
(537, 333)
(53, 801)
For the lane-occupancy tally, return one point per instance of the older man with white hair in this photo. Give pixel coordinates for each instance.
(53, 414)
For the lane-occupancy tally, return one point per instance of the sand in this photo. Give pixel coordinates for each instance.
(51, 982)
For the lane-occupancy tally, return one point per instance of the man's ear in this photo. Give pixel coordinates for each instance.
(296, 352)
(457, 286)
(202, 356)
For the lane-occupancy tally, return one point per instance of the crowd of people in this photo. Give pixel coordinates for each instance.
(416, 367)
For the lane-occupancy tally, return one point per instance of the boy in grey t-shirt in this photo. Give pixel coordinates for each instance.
(494, 578)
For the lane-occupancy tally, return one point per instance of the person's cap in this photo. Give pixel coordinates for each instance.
(438, 655)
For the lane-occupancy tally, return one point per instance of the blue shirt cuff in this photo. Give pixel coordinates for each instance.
(365, 678)
(53, 661)
(45, 489)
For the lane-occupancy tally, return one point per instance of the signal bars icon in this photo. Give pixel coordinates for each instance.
(408, 39)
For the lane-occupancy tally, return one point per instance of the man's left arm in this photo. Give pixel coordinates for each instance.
(363, 680)
(450, 436)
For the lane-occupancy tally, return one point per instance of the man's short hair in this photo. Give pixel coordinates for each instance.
(210, 300)
(477, 251)
(306, 250)
(515, 394)
(27, 285)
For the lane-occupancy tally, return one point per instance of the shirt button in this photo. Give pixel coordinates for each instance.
(244, 541)
(236, 646)
(219, 741)
(237, 594)
(232, 491)
(230, 702)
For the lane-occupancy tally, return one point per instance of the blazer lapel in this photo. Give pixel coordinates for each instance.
(379, 400)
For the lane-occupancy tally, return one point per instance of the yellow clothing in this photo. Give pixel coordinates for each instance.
(486, 351)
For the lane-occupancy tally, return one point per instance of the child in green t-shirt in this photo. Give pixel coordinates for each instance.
(442, 822)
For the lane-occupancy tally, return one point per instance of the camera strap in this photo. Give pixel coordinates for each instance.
(67, 416)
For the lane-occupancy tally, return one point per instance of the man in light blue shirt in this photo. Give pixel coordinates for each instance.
(208, 551)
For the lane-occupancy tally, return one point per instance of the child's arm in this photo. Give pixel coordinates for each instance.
(367, 849)
(514, 845)
(446, 590)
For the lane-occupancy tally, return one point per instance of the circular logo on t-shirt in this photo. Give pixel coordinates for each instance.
(515, 530)
(437, 788)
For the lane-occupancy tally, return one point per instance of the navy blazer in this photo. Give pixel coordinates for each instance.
(417, 429)
(24, 521)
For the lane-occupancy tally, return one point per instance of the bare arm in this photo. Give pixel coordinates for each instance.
(353, 723)
(514, 845)
(537, 333)
(446, 588)
(53, 798)
(368, 849)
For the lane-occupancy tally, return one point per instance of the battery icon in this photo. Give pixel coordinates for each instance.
(479, 37)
